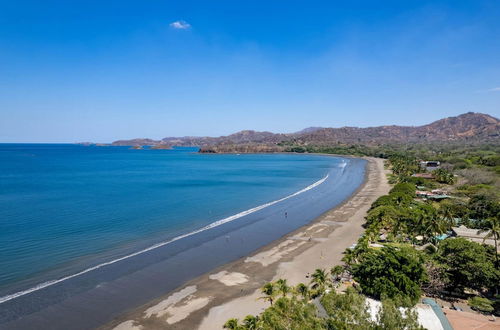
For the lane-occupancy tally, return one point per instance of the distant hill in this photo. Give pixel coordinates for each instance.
(309, 130)
(469, 126)
(466, 127)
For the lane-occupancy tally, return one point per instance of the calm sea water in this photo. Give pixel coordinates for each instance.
(64, 208)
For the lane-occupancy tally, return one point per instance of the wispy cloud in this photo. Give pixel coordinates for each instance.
(491, 90)
(180, 25)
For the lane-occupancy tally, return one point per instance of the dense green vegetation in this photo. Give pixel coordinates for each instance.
(403, 252)
(457, 264)
(350, 311)
(467, 265)
(344, 311)
(394, 272)
(462, 154)
(452, 265)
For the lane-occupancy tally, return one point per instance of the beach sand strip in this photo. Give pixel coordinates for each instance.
(233, 290)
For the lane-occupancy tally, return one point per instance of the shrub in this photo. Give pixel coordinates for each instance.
(346, 310)
(481, 304)
(419, 182)
(470, 190)
(490, 161)
(459, 163)
(476, 176)
(404, 188)
(483, 206)
(391, 317)
(383, 216)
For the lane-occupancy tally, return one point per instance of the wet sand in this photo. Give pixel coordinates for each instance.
(232, 290)
(103, 293)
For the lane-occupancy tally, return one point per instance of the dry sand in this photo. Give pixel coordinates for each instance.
(470, 321)
(233, 290)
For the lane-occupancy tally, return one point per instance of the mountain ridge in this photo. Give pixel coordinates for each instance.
(465, 127)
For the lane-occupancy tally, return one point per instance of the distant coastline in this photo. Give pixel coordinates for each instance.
(471, 128)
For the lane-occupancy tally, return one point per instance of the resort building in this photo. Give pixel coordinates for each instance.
(430, 165)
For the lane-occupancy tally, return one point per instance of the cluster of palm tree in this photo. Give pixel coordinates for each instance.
(444, 176)
(250, 322)
(321, 280)
(279, 288)
(404, 220)
(273, 292)
(404, 165)
(404, 223)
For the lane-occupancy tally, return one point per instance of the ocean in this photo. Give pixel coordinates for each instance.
(77, 221)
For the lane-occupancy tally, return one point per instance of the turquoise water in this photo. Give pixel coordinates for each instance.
(64, 208)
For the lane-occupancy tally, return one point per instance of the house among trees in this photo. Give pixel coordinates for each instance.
(430, 165)
(436, 194)
(473, 235)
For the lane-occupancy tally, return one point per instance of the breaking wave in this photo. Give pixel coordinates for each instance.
(158, 245)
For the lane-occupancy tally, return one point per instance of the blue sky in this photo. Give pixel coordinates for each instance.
(105, 70)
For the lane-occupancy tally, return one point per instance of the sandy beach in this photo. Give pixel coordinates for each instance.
(232, 290)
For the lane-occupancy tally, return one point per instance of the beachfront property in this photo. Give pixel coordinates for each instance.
(430, 165)
(473, 235)
(436, 194)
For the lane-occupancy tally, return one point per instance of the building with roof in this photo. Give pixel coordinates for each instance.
(423, 175)
(430, 165)
(432, 195)
(473, 235)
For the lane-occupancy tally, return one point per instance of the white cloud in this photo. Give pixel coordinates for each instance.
(496, 89)
(180, 25)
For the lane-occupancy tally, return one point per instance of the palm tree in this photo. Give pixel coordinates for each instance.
(349, 257)
(269, 290)
(372, 234)
(426, 223)
(336, 273)
(251, 322)
(447, 213)
(303, 290)
(362, 246)
(231, 324)
(318, 281)
(492, 226)
(283, 287)
(444, 176)
(431, 228)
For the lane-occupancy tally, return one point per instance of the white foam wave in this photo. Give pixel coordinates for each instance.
(153, 247)
(343, 165)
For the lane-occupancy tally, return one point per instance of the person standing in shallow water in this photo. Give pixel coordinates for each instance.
(286, 215)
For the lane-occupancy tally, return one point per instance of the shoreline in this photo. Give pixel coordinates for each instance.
(94, 298)
(233, 289)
